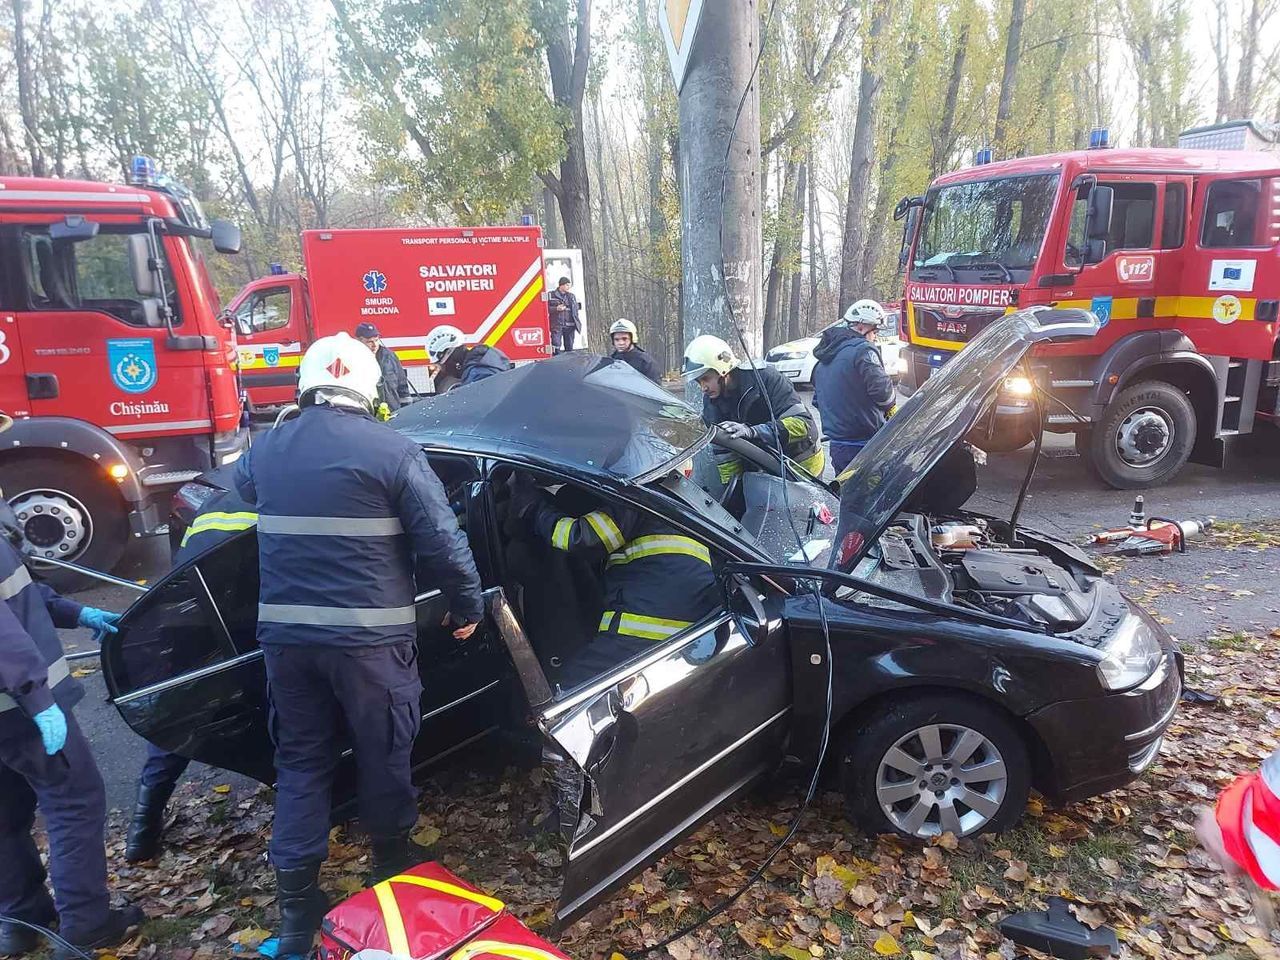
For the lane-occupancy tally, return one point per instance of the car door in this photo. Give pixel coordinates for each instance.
(270, 331)
(647, 751)
(186, 673)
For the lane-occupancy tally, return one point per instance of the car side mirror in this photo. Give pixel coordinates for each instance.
(142, 265)
(744, 602)
(1097, 223)
(225, 235)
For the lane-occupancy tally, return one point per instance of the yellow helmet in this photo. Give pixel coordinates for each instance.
(707, 353)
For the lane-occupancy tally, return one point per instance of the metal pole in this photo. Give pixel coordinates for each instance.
(95, 574)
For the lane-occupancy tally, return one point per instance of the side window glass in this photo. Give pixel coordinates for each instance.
(264, 310)
(1173, 227)
(1231, 214)
(1133, 216)
(231, 573)
(179, 633)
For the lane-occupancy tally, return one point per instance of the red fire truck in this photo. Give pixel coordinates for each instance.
(485, 282)
(1176, 251)
(113, 362)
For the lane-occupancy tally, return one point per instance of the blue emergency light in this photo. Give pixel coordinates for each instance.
(142, 171)
(526, 219)
(275, 269)
(982, 157)
(1099, 138)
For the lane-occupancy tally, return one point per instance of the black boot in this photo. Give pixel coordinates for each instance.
(302, 907)
(148, 822)
(110, 932)
(15, 939)
(395, 856)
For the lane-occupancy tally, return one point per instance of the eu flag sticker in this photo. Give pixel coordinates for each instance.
(1101, 308)
(133, 364)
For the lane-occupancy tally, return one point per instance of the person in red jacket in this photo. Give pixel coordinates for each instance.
(1243, 831)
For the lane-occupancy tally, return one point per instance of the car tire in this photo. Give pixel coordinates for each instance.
(95, 526)
(1145, 436)
(992, 746)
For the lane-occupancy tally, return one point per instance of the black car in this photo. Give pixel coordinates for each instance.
(960, 660)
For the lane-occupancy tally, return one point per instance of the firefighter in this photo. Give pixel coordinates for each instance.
(394, 386)
(851, 389)
(1242, 831)
(625, 348)
(458, 364)
(348, 510)
(46, 762)
(657, 580)
(222, 516)
(732, 398)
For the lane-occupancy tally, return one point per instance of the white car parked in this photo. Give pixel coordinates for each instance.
(795, 360)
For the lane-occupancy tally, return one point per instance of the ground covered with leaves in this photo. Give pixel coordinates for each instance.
(1127, 859)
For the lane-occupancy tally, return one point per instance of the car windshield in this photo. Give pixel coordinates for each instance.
(988, 230)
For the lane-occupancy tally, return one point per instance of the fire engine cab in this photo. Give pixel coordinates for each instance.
(113, 362)
(1176, 251)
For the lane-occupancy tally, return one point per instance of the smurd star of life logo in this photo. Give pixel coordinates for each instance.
(375, 281)
(133, 364)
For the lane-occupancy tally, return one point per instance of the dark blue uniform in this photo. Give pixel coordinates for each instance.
(657, 581)
(67, 786)
(222, 516)
(348, 511)
(640, 361)
(851, 391)
(467, 365)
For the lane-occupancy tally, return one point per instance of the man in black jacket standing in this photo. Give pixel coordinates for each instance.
(565, 316)
(852, 391)
(625, 348)
(394, 386)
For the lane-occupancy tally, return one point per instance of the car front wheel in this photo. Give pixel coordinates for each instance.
(936, 764)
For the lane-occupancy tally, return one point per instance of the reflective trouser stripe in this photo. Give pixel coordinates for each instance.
(314, 616)
(229, 522)
(58, 671)
(659, 545)
(453, 890)
(560, 535)
(15, 583)
(331, 526)
(638, 625)
(392, 922)
(499, 948)
(605, 529)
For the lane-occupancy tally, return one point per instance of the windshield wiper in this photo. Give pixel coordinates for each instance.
(935, 266)
(991, 265)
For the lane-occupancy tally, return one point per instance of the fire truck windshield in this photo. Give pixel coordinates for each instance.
(984, 231)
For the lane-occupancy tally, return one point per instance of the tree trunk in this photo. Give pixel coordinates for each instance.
(774, 327)
(1242, 103)
(607, 304)
(27, 110)
(811, 315)
(1009, 79)
(1221, 45)
(946, 143)
(796, 244)
(852, 281)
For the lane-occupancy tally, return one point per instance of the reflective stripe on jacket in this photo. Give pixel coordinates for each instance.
(657, 581)
(33, 670)
(348, 509)
(222, 516)
(1248, 813)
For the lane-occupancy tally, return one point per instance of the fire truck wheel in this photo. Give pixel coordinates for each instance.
(1145, 436)
(67, 513)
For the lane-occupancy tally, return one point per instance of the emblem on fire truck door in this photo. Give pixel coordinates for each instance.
(133, 364)
(1226, 309)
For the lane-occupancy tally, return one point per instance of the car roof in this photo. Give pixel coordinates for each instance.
(578, 412)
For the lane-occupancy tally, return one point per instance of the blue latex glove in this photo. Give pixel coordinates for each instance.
(101, 622)
(53, 728)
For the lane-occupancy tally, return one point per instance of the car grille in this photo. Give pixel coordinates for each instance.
(953, 324)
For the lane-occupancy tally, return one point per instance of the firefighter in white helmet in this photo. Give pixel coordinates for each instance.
(348, 510)
(733, 399)
(851, 389)
(626, 349)
(456, 364)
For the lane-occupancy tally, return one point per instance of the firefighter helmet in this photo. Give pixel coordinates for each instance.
(441, 340)
(865, 313)
(342, 365)
(707, 353)
(623, 325)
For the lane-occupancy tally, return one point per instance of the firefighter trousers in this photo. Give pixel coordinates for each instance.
(319, 697)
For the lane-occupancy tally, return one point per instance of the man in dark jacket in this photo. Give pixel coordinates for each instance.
(625, 348)
(46, 762)
(564, 316)
(732, 397)
(851, 389)
(394, 386)
(222, 516)
(350, 516)
(463, 365)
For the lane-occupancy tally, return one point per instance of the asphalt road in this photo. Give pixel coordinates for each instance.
(1065, 498)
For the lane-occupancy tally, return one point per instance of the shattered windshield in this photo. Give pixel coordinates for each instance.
(984, 231)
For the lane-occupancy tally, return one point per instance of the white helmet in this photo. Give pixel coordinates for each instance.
(865, 312)
(707, 353)
(340, 364)
(441, 340)
(623, 325)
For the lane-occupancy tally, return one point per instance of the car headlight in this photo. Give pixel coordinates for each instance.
(788, 355)
(1020, 387)
(1130, 656)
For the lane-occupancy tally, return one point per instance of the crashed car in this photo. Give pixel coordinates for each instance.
(958, 659)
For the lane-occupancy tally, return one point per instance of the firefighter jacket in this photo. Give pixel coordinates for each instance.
(657, 581)
(348, 510)
(222, 516)
(466, 365)
(1248, 813)
(33, 671)
(640, 360)
(394, 386)
(792, 422)
(851, 388)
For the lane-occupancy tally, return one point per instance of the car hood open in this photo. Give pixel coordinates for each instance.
(894, 462)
